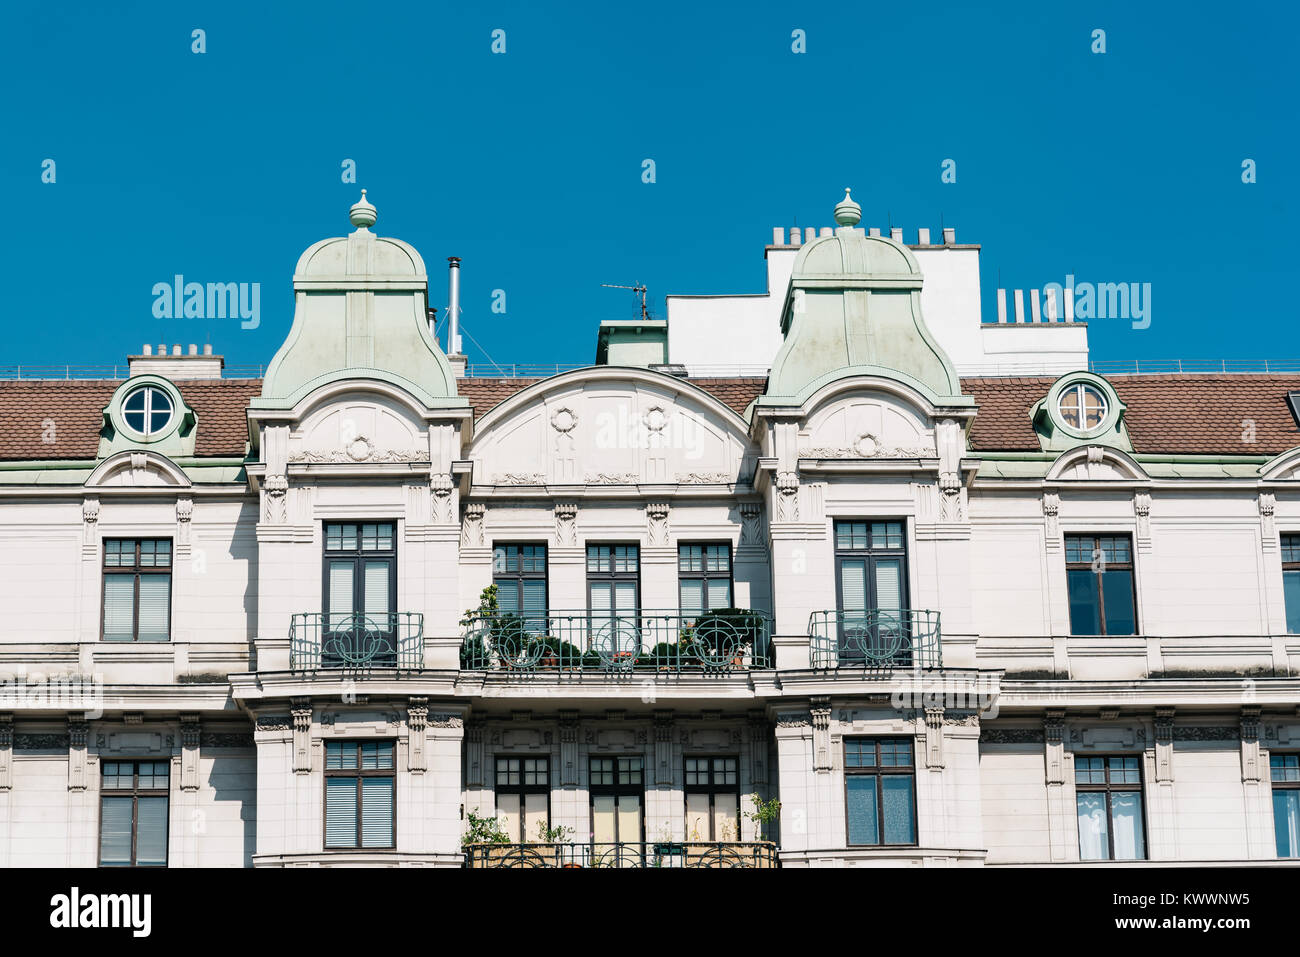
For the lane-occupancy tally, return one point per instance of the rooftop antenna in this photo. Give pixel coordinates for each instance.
(637, 289)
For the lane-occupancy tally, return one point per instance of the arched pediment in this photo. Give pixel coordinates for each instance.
(1282, 468)
(611, 426)
(866, 422)
(138, 469)
(1096, 463)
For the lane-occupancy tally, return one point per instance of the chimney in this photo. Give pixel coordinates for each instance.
(454, 353)
(923, 237)
(896, 233)
(949, 236)
(177, 365)
(432, 313)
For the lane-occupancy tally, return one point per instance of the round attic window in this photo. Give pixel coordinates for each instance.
(1082, 406)
(148, 410)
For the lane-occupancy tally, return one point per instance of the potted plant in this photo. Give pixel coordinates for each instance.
(764, 812)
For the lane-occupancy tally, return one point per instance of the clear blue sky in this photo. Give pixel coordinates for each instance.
(1122, 166)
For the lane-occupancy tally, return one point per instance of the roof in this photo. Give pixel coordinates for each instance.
(62, 418)
(1167, 414)
(1187, 414)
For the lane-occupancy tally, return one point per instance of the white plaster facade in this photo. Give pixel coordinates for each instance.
(1202, 694)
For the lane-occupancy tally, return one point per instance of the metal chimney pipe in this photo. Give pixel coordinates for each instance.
(453, 305)
(432, 313)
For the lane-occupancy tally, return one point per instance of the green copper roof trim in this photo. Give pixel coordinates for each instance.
(848, 372)
(430, 399)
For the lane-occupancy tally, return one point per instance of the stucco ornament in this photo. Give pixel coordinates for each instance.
(564, 420)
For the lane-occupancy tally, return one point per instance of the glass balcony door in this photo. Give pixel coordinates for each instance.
(360, 592)
(871, 573)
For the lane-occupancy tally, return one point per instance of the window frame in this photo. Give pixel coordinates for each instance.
(521, 789)
(712, 789)
(1079, 387)
(1109, 788)
(1285, 546)
(704, 576)
(1130, 566)
(360, 774)
(135, 569)
(877, 771)
(617, 790)
(135, 793)
(517, 578)
(870, 554)
(148, 390)
(1282, 785)
(612, 577)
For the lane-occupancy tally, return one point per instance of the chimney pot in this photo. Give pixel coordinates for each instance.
(207, 349)
(194, 350)
(873, 231)
(949, 236)
(778, 235)
(147, 350)
(176, 349)
(796, 236)
(826, 231)
(923, 237)
(896, 234)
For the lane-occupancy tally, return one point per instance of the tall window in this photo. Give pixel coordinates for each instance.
(614, 597)
(133, 814)
(617, 791)
(519, 572)
(1285, 773)
(1291, 581)
(137, 589)
(871, 580)
(1099, 576)
(880, 791)
(360, 794)
(523, 797)
(1108, 791)
(712, 799)
(704, 578)
(360, 593)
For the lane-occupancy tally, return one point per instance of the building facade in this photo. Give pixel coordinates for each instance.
(946, 594)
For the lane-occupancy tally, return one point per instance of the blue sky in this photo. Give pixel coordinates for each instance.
(1123, 166)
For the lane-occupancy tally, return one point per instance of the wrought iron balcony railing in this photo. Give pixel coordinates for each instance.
(355, 641)
(731, 639)
(880, 638)
(624, 855)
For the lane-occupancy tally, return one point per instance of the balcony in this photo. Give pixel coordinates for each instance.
(356, 642)
(650, 641)
(624, 855)
(881, 639)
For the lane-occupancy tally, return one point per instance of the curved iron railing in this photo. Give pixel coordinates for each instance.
(625, 854)
(880, 638)
(731, 639)
(355, 641)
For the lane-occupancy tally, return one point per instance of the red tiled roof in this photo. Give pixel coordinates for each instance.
(32, 411)
(1170, 414)
(1186, 414)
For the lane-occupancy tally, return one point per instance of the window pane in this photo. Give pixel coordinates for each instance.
(534, 594)
(689, 558)
(602, 601)
(861, 797)
(629, 817)
(155, 605)
(726, 817)
(1126, 815)
(692, 596)
(853, 585)
(376, 812)
(1291, 591)
(1286, 821)
(508, 812)
(535, 817)
(625, 597)
(1084, 608)
(719, 593)
(377, 593)
(602, 818)
(889, 585)
(119, 607)
(151, 830)
(340, 812)
(1093, 842)
(115, 830)
(1117, 588)
(896, 797)
(340, 596)
(697, 817)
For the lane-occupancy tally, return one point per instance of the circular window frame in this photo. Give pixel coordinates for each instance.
(137, 384)
(1062, 385)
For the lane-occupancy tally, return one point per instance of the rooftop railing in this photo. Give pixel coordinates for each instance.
(356, 642)
(758, 854)
(884, 639)
(647, 641)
